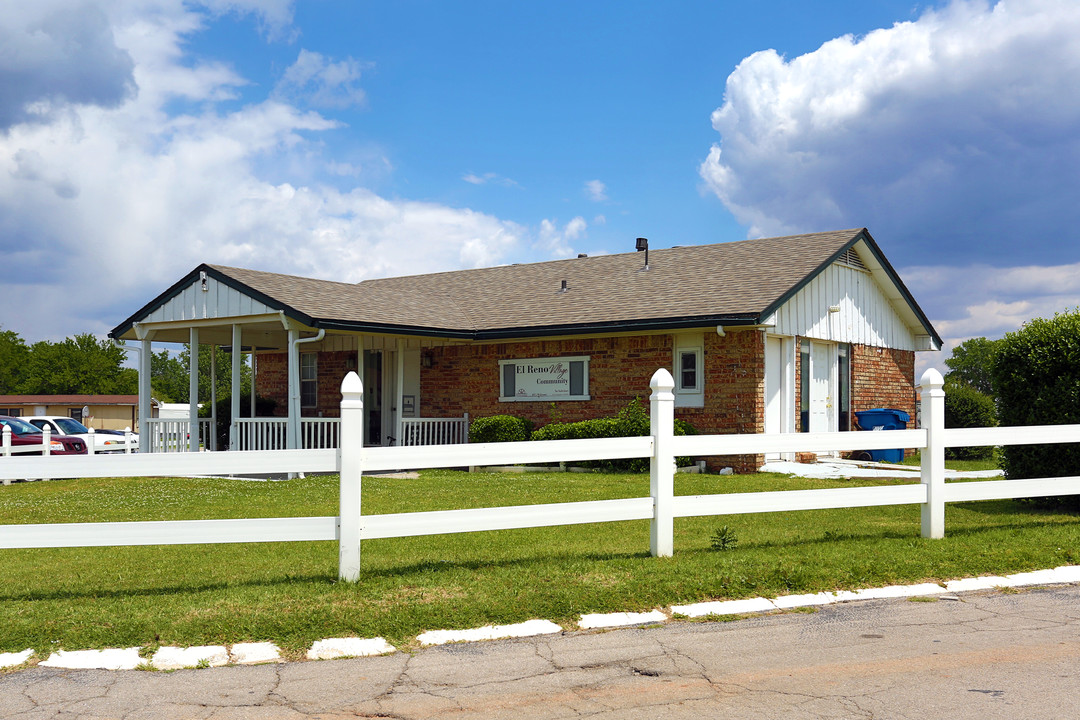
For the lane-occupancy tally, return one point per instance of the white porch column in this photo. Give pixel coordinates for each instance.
(193, 392)
(399, 394)
(292, 426)
(212, 440)
(253, 368)
(144, 397)
(234, 386)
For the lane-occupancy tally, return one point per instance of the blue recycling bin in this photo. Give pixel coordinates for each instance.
(884, 419)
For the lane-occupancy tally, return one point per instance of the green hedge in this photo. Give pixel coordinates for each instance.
(499, 428)
(632, 421)
(1036, 376)
(966, 407)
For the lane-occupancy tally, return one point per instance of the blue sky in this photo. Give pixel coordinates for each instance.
(349, 140)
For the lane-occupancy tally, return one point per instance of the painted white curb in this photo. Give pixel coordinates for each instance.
(251, 653)
(724, 607)
(12, 659)
(988, 582)
(597, 620)
(890, 591)
(489, 632)
(785, 602)
(177, 658)
(332, 648)
(108, 659)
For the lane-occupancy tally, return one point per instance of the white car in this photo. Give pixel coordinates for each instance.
(105, 441)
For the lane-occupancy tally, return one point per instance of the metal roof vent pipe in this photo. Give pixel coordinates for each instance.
(562, 289)
(643, 244)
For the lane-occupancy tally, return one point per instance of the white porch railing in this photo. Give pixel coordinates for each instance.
(272, 433)
(171, 435)
(260, 433)
(350, 527)
(321, 433)
(434, 431)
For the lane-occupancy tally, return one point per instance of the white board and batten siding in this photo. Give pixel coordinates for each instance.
(217, 301)
(866, 315)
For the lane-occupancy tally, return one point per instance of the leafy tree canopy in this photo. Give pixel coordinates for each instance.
(170, 380)
(971, 364)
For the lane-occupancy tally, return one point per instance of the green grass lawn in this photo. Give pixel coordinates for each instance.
(287, 592)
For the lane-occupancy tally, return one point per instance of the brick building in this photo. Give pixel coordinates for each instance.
(782, 334)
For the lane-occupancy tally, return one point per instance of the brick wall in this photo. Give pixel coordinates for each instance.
(883, 378)
(272, 381)
(465, 378)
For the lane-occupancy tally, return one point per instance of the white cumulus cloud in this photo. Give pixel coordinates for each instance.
(111, 196)
(951, 136)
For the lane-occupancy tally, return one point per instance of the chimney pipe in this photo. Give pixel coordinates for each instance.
(643, 244)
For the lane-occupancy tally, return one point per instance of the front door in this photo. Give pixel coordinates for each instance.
(779, 399)
(822, 387)
(373, 397)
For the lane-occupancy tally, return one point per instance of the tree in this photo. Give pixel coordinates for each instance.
(1036, 375)
(966, 407)
(13, 359)
(971, 364)
(170, 374)
(80, 365)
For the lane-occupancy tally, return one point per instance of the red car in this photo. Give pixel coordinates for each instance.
(23, 434)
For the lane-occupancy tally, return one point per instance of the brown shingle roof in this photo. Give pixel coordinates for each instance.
(69, 399)
(737, 280)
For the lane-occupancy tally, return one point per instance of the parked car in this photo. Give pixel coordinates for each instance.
(105, 441)
(24, 434)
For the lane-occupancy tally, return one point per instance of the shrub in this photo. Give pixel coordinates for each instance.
(499, 428)
(632, 420)
(1036, 376)
(966, 407)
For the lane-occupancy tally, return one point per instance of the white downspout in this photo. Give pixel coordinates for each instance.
(234, 387)
(292, 440)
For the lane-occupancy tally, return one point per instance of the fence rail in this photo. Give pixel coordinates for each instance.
(350, 527)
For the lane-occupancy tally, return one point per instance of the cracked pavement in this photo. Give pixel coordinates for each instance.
(985, 655)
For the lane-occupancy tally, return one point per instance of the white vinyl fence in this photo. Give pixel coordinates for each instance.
(350, 527)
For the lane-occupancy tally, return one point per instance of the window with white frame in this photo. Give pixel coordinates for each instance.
(309, 380)
(689, 370)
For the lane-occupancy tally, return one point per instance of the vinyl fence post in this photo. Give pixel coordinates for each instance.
(350, 463)
(933, 455)
(91, 442)
(662, 463)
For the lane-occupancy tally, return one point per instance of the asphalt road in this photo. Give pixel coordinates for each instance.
(1009, 655)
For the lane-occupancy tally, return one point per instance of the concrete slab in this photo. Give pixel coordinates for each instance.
(177, 658)
(489, 632)
(252, 653)
(108, 659)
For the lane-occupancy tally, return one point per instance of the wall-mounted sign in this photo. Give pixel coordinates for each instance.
(560, 378)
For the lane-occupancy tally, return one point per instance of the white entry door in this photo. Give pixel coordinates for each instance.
(822, 387)
(779, 398)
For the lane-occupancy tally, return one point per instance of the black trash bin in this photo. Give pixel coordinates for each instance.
(884, 419)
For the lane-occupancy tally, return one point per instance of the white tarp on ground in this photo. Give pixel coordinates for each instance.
(848, 469)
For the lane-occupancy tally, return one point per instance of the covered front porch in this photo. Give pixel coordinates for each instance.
(293, 363)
